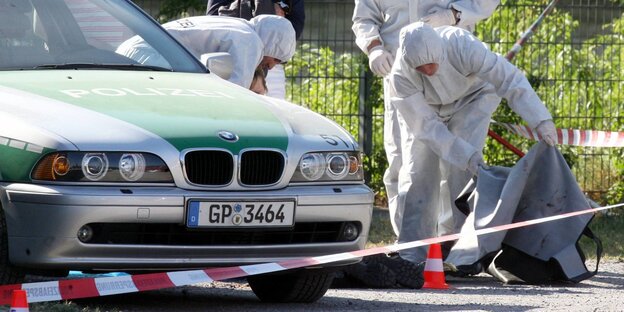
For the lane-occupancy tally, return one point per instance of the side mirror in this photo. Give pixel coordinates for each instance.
(219, 63)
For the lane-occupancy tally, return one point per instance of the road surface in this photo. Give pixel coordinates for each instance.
(604, 292)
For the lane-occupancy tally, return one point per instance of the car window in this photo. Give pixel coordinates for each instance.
(47, 34)
(100, 28)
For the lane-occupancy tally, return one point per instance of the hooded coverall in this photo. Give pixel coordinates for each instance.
(447, 116)
(246, 41)
(382, 20)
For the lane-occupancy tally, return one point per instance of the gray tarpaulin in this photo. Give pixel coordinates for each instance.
(539, 185)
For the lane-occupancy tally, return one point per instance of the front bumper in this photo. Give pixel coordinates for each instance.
(43, 222)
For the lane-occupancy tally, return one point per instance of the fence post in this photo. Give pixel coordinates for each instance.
(365, 113)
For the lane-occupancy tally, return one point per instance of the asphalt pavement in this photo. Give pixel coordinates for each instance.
(603, 292)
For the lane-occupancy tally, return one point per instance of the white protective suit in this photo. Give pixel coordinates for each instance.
(382, 20)
(447, 115)
(246, 41)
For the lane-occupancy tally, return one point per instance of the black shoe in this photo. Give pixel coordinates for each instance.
(472, 269)
(371, 274)
(463, 270)
(408, 274)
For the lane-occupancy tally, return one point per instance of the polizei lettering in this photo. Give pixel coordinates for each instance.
(116, 92)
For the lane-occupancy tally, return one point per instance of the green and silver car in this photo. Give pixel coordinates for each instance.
(111, 165)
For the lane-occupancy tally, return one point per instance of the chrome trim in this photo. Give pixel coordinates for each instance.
(85, 162)
(328, 170)
(238, 174)
(325, 183)
(183, 166)
(111, 184)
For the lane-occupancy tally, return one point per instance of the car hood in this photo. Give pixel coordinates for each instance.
(88, 107)
(131, 110)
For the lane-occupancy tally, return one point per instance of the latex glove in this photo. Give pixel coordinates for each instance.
(547, 131)
(476, 161)
(380, 61)
(439, 16)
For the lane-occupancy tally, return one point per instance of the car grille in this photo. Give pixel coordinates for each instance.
(209, 167)
(174, 234)
(261, 167)
(216, 168)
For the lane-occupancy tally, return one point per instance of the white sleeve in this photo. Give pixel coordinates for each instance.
(422, 121)
(508, 80)
(243, 45)
(367, 19)
(141, 52)
(473, 11)
(246, 58)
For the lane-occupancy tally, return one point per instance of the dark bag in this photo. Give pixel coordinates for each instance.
(247, 9)
(512, 266)
(540, 185)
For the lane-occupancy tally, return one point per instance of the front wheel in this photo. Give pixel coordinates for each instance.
(303, 286)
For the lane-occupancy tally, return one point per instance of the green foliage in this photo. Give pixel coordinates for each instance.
(326, 83)
(579, 81)
(381, 232)
(608, 227)
(375, 166)
(330, 84)
(377, 162)
(615, 193)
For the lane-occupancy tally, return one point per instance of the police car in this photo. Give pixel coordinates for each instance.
(107, 164)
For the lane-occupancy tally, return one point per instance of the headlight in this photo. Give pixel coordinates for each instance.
(312, 166)
(132, 166)
(337, 165)
(94, 166)
(329, 166)
(112, 167)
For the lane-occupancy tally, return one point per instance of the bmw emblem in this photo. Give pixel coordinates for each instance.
(228, 136)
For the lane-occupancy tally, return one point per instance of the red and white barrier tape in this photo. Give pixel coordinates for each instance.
(104, 286)
(589, 138)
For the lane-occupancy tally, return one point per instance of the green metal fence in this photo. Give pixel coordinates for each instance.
(574, 61)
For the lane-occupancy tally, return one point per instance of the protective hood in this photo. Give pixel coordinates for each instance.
(420, 44)
(277, 35)
(209, 34)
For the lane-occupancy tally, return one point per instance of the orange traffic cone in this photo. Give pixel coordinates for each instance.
(19, 302)
(434, 270)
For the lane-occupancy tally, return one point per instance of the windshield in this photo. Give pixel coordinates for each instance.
(49, 34)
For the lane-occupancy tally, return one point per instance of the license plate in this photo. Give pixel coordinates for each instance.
(202, 213)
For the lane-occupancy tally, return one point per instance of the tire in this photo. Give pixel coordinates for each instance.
(303, 286)
(9, 274)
